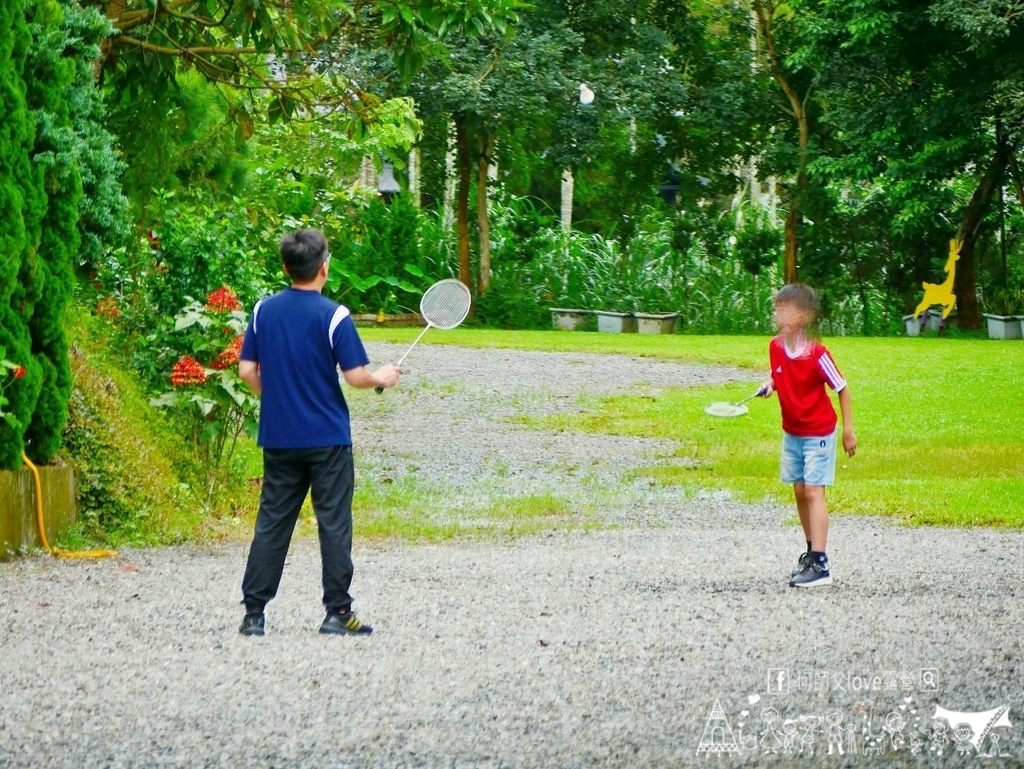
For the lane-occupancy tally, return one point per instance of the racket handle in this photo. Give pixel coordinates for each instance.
(378, 390)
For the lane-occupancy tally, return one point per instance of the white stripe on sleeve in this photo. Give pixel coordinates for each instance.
(828, 368)
(339, 315)
(255, 312)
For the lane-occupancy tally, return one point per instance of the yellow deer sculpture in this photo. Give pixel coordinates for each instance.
(942, 293)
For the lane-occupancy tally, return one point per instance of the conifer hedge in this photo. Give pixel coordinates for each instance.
(49, 136)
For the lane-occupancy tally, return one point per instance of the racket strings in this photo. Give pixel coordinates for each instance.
(445, 304)
(721, 409)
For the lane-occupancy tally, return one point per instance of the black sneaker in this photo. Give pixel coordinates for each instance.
(812, 574)
(804, 557)
(252, 624)
(344, 624)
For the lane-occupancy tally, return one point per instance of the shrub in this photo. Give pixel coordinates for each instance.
(378, 267)
(207, 394)
(132, 467)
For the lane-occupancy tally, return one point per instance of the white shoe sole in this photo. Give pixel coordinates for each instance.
(817, 583)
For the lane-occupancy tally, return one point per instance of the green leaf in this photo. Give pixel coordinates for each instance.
(206, 406)
(227, 381)
(167, 400)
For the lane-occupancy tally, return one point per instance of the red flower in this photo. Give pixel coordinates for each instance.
(108, 308)
(229, 355)
(19, 372)
(222, 300)
(187, 371)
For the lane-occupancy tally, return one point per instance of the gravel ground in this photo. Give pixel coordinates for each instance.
(609, 647)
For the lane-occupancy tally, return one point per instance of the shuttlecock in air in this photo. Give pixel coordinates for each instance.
(586, 95)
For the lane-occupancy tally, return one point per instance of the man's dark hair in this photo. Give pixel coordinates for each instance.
(303, 251)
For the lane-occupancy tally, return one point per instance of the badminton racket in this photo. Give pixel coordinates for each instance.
(737, 409)
(444, 305)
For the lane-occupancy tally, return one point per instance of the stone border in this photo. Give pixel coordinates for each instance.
(19, 530)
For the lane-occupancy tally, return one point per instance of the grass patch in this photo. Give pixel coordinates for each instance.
(938, 423)
(403, 510)
(742, 351)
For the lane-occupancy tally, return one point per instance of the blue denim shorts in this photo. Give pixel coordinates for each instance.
(809, 460)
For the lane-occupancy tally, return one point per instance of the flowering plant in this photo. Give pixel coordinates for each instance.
(206, 390)
(9, 372)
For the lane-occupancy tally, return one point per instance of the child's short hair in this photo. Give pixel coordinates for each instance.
(801, 296)
(303, 251)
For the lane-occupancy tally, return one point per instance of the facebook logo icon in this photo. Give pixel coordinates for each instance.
(778, 681)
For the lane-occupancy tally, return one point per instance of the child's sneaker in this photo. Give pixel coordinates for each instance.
(812, 574)
(804, 557)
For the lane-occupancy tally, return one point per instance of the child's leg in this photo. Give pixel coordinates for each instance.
(816, 527)
(799, 490)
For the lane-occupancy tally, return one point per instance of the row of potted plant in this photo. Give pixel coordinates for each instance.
(608, 321)
(1005, 316)
(1004, 319)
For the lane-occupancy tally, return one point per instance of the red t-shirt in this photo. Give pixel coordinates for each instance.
(799, 380)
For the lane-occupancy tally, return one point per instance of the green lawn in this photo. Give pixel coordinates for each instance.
(940, 422)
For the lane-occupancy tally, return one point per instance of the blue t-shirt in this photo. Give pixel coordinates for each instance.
(299, 338)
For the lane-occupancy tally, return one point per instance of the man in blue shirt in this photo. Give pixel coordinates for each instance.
(295, 343)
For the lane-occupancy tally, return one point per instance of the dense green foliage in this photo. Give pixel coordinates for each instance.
(151, 153)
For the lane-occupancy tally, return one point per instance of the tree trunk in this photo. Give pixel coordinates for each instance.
(414, 176)
(462, 212)
(367, 174)
(568, 184)
(483, 215)
(798, 108)
(448, 215)
(1015, 173)
(791, 240)
(964, 284)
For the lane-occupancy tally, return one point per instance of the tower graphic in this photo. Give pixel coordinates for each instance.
(718, 738)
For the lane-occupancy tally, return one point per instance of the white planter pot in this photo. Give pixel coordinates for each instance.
(1003, 326)
(568, 320)
(933, 319)
(656, 322)
(912, 324)
(615, 322)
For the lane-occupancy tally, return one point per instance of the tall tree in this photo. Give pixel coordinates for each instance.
(916, 91)
(778, 31)
(488, 84)
(200, 74)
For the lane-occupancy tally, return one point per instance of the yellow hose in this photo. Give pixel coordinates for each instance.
(42, 527)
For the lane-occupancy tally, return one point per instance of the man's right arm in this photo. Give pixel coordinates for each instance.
(362, 377)
(249, 371)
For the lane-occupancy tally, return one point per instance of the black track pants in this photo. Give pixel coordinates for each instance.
(288, 475)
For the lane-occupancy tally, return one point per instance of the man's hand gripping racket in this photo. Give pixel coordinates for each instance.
(444, 305)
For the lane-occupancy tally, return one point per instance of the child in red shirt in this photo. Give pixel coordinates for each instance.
(801, 369)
